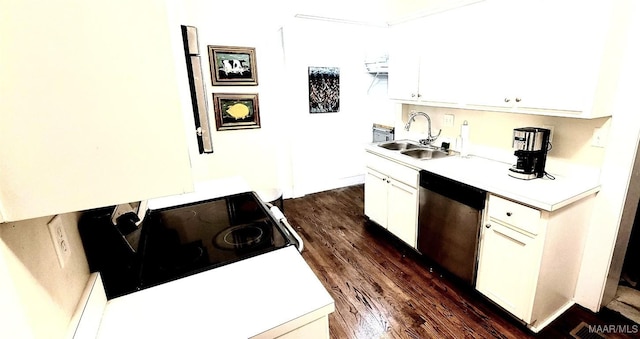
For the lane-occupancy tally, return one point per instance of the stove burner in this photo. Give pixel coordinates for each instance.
(183, 257)
(239, 237)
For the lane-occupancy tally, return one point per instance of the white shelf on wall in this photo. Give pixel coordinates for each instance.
(378, 67)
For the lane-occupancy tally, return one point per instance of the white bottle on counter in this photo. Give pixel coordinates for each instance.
(464, 139)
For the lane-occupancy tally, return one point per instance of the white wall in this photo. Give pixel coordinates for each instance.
(293, 150)
(248, 153)
(615, 179)
(327, 148)
(491, 135)
(37, 297)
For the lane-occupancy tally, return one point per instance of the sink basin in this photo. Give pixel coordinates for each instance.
(399, 145)
(395, 145)
(424, 153)
(414, 150)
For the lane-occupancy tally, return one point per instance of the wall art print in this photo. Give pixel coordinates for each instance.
(324, 89)
(232, 65)
(236, 111)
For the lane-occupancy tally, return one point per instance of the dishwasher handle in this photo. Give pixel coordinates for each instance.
(455, 190)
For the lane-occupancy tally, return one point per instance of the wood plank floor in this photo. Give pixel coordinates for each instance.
(384, 289)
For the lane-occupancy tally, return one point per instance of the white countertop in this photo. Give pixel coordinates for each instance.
(233, 301)
(491, 176)
(239, 300)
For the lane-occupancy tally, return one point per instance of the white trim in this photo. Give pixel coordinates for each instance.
(537, 327)
(85, 322)
(333, 184)
(341, 21)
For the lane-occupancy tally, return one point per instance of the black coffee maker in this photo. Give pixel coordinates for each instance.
(530, 145)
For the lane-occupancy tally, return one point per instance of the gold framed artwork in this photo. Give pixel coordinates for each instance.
(231, 65)
(236, 111)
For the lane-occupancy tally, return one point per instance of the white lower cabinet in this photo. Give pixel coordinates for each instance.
(376, 197)
(529, 259)
(402, 218)
(391, 198)
(508, 265)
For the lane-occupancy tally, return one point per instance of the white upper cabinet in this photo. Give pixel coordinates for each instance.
(531, 56)
(90, 112)
(404, 63)
(539, 56)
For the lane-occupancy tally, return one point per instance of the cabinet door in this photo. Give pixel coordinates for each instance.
(404, 62)
(560, 59)
(444, 67)
(375, 197)
(91, 107)
(403, 212)
(506, 269)
(488, 54)
(535, 54)
(404, 73)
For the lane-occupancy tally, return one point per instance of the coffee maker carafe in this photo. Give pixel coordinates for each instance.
(530, 146)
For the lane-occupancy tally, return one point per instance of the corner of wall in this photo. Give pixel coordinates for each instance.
(44, 293)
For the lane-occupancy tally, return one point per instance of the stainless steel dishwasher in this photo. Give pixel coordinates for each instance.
(449, 220)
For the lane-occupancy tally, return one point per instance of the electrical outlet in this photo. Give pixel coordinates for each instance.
(447, 121)
(550, 128)
(60, 240)
(599, 137)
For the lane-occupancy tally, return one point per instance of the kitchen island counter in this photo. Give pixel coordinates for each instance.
(492, 176)
(249, 298)
(264, 296)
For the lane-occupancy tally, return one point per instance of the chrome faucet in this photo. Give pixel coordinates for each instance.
(430, 138)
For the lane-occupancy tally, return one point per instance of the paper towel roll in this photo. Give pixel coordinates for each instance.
(464, 137)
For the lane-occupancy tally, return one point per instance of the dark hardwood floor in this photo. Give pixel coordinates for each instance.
(383, 289)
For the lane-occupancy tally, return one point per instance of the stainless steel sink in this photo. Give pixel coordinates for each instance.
(424, 153)
(397, 145)
(414, 150)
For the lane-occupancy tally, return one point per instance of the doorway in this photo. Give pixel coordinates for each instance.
(627, 297)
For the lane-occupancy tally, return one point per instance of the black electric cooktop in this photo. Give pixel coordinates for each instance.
(179, 241)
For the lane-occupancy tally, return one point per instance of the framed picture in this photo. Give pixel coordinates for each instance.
(236, 111)
(233, 65)
(324, 89)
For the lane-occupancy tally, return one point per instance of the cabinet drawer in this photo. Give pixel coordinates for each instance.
(514, 214)
(393, 169)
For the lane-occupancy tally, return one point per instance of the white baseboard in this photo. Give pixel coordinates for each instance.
(322, 186)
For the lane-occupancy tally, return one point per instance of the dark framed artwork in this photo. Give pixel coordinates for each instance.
(324, 89)
(233, 65)
(236, 111)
